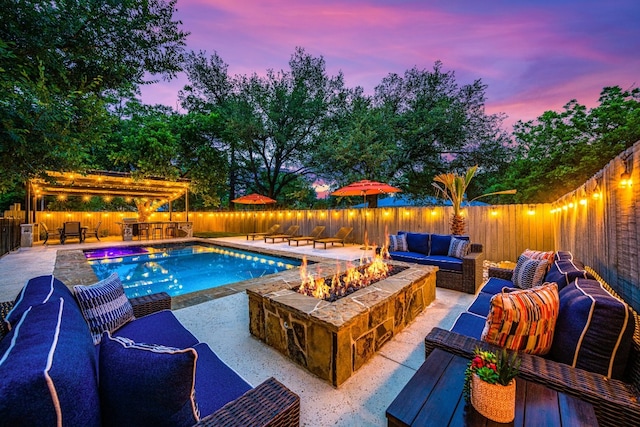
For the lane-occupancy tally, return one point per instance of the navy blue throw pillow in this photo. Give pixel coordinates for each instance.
(418, 242)
(440, 244)
(564, 272)
(48, 369)
(594, 330)
(144, 385)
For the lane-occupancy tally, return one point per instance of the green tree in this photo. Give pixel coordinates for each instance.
(58, 61)
(271, 122)
(559, 151)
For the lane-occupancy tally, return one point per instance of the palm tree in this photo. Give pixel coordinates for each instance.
(454, 188)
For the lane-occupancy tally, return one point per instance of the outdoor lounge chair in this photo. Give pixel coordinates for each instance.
(273, 230)
(48, 233)
(291, 232)
(315, 234)
(71, 229)
(94, 232)
(340, 237)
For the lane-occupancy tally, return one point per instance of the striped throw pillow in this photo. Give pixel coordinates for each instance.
(533, 254)
(523, 319)
(398, 243)
(104, 305)
(458, 248)
(528, 272)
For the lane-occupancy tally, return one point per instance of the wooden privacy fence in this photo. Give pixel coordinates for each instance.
(504, 230)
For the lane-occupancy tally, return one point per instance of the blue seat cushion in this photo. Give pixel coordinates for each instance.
(563, 256)
(216, 383)
(161, 328)
(594, 329)
(417, 242)
(470, 325)
(566, 271)
(143, 384)
(38, 291)
(494, 285)
(481, 304)
(48, 369)
(444, 262)
(409, 257)
(440, 244)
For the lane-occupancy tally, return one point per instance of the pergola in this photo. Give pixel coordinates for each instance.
(105, 184)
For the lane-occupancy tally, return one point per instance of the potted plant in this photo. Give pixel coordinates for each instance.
(490, 384)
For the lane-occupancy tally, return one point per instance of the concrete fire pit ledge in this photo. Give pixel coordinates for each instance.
(333, 339)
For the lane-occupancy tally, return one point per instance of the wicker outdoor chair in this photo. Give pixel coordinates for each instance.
(616, 402)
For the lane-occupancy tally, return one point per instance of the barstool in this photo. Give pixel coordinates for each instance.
(157, 228)
(143, 228)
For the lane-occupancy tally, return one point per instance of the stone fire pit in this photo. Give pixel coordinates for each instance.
(334, 339)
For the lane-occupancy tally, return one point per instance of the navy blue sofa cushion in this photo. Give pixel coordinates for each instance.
(565, 271)
(417, 242)
(48, 368)
(594, 330)
(38, 290)
(216, 383)
(143, 385)
(494, 285)
(161, 328)
(481, 305)
(470, 325)
(443, 262)
(440, 244)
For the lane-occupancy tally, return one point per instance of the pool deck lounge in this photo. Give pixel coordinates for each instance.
(221, 320)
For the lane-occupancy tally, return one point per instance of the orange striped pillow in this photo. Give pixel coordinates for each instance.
(523, 319)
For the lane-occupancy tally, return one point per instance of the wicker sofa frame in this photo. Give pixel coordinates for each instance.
(616, 402)
(269, 404)
(470, 280)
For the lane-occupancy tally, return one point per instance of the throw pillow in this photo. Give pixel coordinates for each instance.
(458, 248)
(104, 305)
(398, 243)
(523, 319)
(48, 369)
(566, 271)
(529, 273)
(596, 329)
(417, 242)
(143, 385)
(38, 290)
(533, 254)
(440, 244)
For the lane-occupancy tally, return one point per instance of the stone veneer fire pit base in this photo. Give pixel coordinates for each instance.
(333, 340)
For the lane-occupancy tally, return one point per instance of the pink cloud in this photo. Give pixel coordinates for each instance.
(534, 55)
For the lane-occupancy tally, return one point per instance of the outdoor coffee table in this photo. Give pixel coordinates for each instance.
(433, 397)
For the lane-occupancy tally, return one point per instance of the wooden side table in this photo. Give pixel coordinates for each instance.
(433, 397)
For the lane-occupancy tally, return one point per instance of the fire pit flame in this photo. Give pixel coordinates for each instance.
(343, 283)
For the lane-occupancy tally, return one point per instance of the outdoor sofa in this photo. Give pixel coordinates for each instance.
(149, 370)
(459, 266)
(595, 348)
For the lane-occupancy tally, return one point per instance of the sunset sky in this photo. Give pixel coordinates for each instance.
(533, 55)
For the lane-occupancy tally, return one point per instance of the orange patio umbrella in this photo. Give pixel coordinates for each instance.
(365, 188)
(254, 199)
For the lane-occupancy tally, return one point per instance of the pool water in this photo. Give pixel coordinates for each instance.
(182, 268)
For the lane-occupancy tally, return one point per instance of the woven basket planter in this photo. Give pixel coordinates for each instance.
(494, 401)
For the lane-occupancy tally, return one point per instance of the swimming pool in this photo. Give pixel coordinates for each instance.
(183, 267)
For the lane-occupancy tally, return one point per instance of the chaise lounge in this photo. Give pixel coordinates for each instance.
(275, 228)
(137, 363)
(315, 234)
(291, 232)
(340, 237)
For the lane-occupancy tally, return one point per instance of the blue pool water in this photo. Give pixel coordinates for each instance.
(182, 268)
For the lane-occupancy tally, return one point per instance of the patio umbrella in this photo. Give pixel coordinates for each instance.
(254, 199)
(365, 188)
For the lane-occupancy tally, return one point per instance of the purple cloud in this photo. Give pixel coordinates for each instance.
(533, 55)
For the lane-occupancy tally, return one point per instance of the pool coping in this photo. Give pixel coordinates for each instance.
(72, 268)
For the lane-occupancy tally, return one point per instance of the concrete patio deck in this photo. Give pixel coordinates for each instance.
(223, 324)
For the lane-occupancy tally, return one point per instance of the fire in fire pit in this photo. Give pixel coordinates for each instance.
(344, 283)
